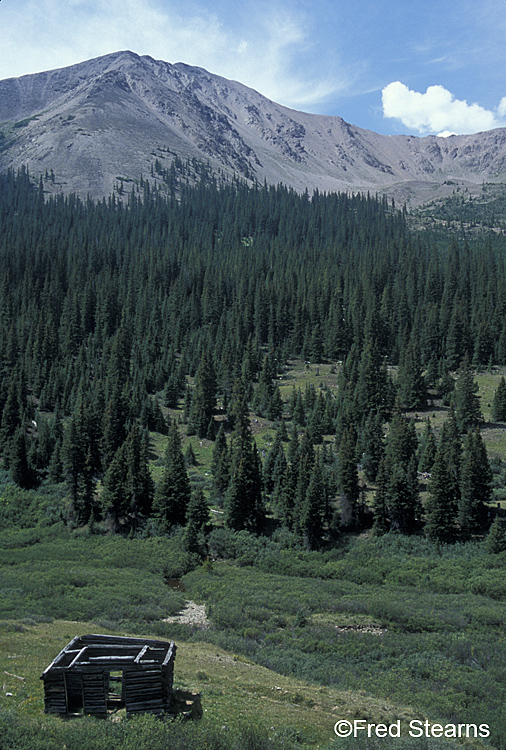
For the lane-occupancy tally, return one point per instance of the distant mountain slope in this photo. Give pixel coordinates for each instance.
(112, 116)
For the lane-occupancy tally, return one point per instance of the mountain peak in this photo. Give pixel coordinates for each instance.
(113, 115)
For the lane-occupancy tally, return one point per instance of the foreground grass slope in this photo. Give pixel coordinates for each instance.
(242, 702)
(376, 630)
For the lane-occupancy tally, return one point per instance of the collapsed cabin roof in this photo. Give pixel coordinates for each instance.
(78, 678)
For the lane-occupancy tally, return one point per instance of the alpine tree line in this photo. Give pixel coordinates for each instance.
(112, 312)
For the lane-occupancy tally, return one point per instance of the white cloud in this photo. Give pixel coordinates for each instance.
(267, 48)
(437, 111)
(501, 109)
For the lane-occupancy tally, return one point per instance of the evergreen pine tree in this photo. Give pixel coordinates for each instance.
(396, 505)
(12, 414)
(140, 484)
(197, 524)
(243, 500)
(441, 510)
(265, 388)
(114, 498)
(78, 468)
(279, 471)
(402, 441)
(285, 493)
(315, 421)
(444, 487)
(55, 468)
(270, 462)
(281, 429)
(114, 424)
(475, 485)
(204, 397)
(294, 445)
(428, 448)
(347, 478)
(403, 503)
(220, 465)
(172, 391)
(412, 389)
(372, 390)
(446, 386)
(189, 456)
(499, 402)
(496, 539)
(298, 413)
(314, 510)
(466, 401)
(380, 504)
(303, 468)
(18, 461)
(372, 445)
(173, 492)
(275, 406)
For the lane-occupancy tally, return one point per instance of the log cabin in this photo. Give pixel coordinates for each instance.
(95, 674)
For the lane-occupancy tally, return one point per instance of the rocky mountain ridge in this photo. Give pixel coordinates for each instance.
(111, 117)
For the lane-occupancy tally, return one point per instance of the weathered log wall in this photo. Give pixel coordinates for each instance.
(79, 677)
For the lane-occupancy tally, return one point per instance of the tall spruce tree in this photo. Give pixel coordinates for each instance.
(20, 469)
(78, 468)
(13, 410)
(372, 445)
(114, 423)
(220, 465)
(466, 401)
(427, 450)
(444, 487)
(265, 388)
(475, 485)
(397, 505)
(441, 506)
(373, 388)
(314, 509)
(411, 386)
(194, 538)
(270, 462)
(347, 479)
(381, 515)
(173, 492)
(204, 397)
(114, 498)
(244, 507)
(499, 402)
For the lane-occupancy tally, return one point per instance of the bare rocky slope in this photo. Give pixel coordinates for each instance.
(113, 116)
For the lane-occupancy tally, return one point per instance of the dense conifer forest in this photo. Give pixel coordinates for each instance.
(113, 313)
(285, 401)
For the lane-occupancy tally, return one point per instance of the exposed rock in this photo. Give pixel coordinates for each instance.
(192, 614)
(112, 116)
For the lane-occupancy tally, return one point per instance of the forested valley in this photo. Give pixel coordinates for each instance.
(114, 313)
(148, 345)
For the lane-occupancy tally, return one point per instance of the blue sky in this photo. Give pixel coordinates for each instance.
(399, 66)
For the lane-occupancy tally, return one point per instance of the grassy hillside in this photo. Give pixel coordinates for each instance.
(235, 691)
(378, 629)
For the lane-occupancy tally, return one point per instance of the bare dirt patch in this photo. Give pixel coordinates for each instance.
(192, 614)
(374, 629)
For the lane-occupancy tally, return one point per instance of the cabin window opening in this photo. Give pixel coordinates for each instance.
(116, 693)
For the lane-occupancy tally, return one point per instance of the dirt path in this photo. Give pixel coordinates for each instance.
(192, 614)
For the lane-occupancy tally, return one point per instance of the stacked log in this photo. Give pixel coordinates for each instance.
(95, 687)
(79, 676)
(55, 694)
(144, 691)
